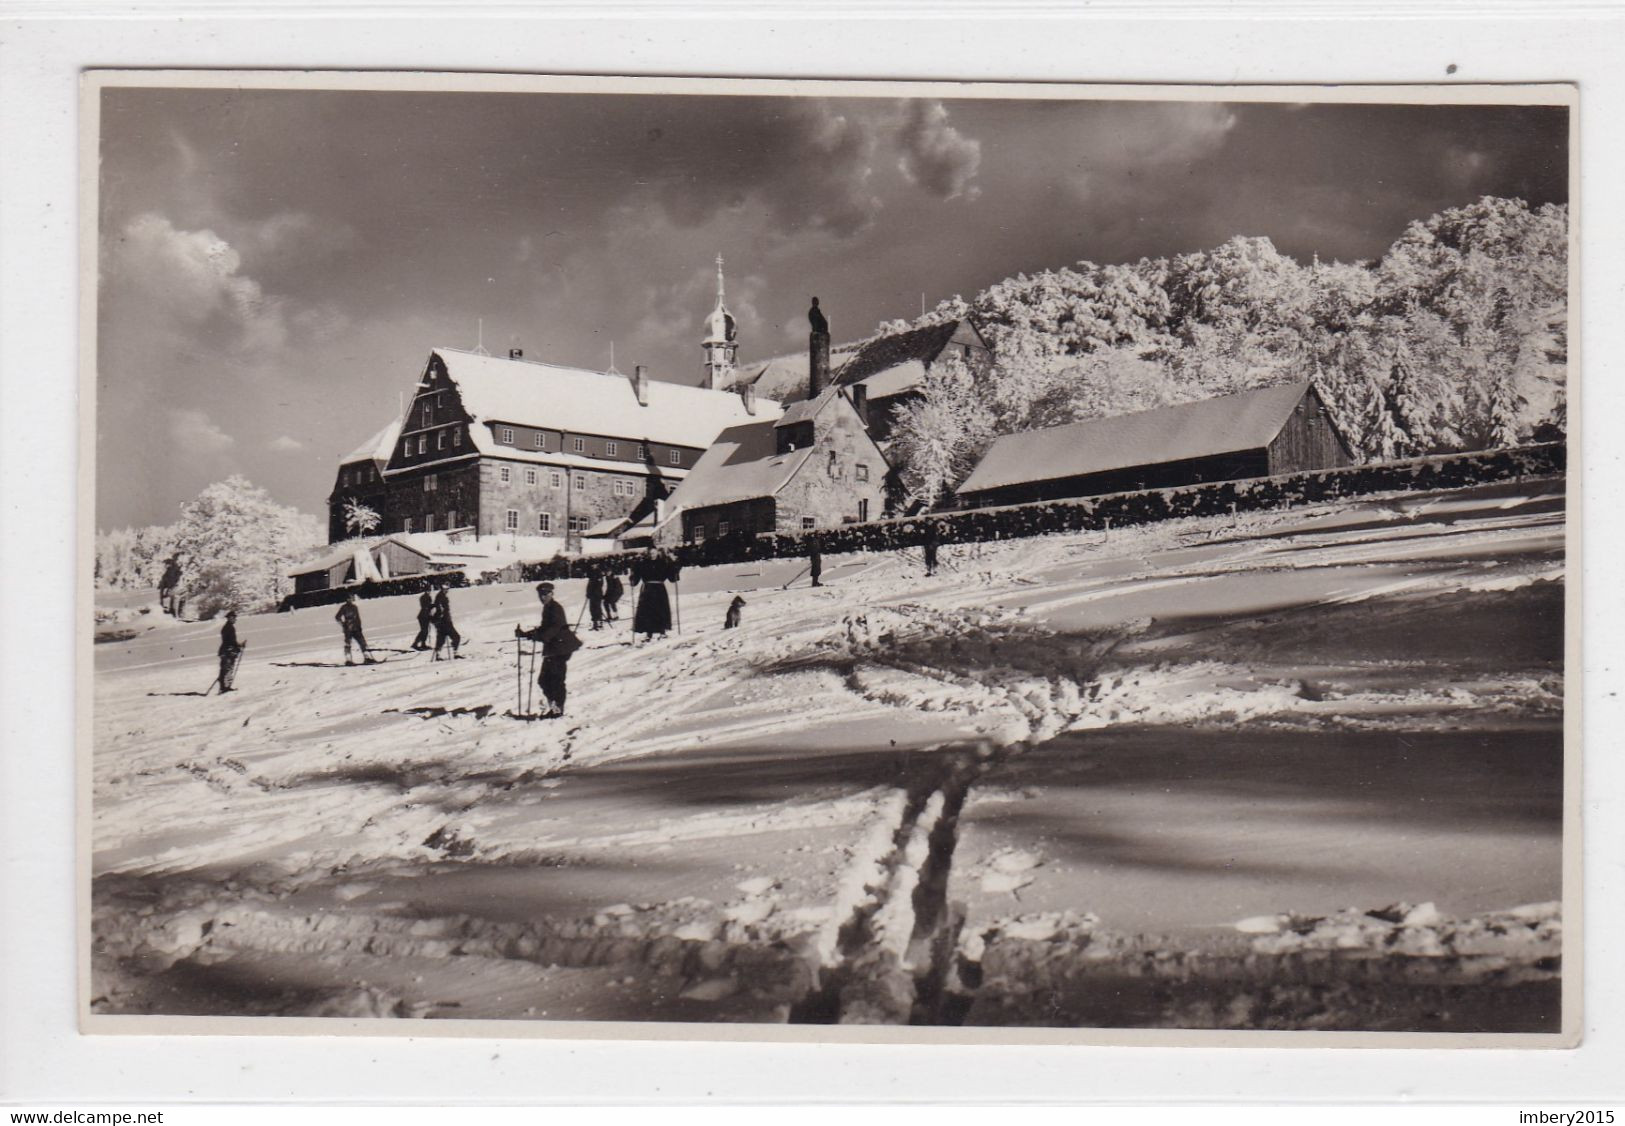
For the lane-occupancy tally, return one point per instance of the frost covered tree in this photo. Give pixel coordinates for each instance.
(937, 438)
(360, 520)
(237, 545)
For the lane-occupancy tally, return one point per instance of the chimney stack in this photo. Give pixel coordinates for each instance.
(860, 401)
(817, 351)
(516, 353)
(747, 395)
(640, 384)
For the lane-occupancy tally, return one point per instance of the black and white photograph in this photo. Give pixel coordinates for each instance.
(623, 557)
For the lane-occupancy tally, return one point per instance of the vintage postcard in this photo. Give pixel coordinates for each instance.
(749, 559)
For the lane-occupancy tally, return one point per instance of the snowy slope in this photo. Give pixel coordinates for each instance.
(800, 819)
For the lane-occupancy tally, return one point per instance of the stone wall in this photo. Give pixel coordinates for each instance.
(536, 490)
(829, 488)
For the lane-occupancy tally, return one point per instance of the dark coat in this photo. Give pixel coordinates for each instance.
(425, 608)
(349, 617)
(595, 589)
(613, 589)
(228, 638)
(551, 633)
(441, 613)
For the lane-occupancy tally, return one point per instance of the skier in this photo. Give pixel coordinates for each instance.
(815, 565)
(930, 549)
(166, 585)
(612, 597)
(559, 642)
(425, 616)
(595, 599)
(230, 651)
(444, 630)
(349, 619)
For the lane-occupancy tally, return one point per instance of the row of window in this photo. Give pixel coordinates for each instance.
(727, 528)
(360, 475)
(544, 522)
(619, 486)
(579, 445)
(409, 523)
(420, 442)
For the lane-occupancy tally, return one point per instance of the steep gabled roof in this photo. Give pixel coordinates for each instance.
(805, 409)
(529, 393)
(377, 448)
(741, 464)
(1248, 420)
(784, 378)
(882, 353)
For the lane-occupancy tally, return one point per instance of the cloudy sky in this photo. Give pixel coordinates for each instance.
(276, 264)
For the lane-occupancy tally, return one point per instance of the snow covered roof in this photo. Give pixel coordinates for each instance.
(805, 409)
(878, 354)
(741, 464)
(378, 447)
(784, 378)
(610, 527)
(529, 393)
(1248, 420)
(886, 365)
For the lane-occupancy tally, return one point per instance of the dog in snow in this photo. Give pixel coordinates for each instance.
(735, 609)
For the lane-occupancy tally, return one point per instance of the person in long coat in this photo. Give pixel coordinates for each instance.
(815, 565)
(444, 630)
(595, 599)
(613, 589)
(653, 614)
(425, 617)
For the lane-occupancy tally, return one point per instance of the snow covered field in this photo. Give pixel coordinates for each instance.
(1300, 769)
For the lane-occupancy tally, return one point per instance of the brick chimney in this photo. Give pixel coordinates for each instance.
(817, 363)
(747, 395)
(640, 384)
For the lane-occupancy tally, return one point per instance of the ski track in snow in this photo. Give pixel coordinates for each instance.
(308, 773)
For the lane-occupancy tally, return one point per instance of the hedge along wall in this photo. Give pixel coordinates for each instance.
(980, 525)
(406, 584)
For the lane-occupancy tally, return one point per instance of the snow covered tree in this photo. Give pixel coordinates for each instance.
(359, 520)
(237, 545)
(937, 438)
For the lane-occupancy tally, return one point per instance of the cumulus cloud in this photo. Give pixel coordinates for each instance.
(1121, 151)
(196, 433)
(286, 445)
(809, 168)
(934, 154)
(190, 278)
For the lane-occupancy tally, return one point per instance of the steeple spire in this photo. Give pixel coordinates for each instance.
(721, 340)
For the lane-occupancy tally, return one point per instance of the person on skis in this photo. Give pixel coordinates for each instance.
(444, 630)
(425, 617)
(349, 620)
(559, 643)
(230, 647)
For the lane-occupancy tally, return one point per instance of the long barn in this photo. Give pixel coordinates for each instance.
(1261, 433)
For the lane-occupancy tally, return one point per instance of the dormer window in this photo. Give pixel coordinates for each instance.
(541, 440)
(506, 437)
(676, 457)
(580, 445)
(610, 448)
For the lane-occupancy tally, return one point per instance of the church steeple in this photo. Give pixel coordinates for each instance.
(721, 342)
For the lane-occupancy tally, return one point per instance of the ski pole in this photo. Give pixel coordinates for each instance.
(677, 601)
(530, 683)
(518, 671)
